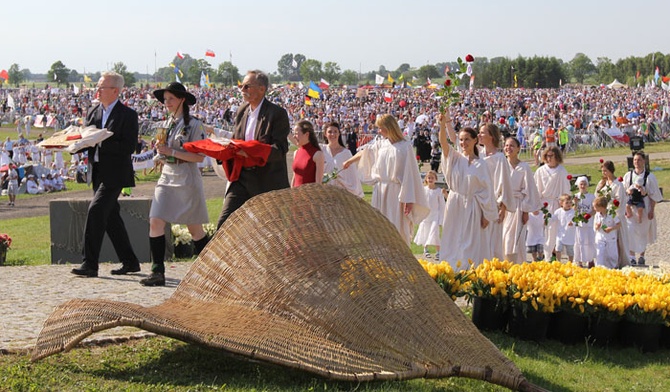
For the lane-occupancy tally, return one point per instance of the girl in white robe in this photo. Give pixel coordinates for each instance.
(552, 181)
(585, 235)
(390, 164)
(610, 187)
(471, 205)
(489, 138)
(526, 201)
(642, 234)
(335, 154)
(428, 233)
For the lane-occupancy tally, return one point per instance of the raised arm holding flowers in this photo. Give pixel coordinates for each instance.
(449, 94)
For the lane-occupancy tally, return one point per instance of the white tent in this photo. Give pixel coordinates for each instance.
(616, 85)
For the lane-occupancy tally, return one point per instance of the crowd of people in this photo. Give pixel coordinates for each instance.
(493, 203)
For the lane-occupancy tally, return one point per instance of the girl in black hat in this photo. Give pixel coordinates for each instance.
(179, 196)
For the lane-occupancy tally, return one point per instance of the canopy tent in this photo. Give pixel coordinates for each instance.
(616, 85)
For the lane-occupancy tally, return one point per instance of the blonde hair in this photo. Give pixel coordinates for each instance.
(600, 201)
(564, 197)
(389, 123)
(425, 178)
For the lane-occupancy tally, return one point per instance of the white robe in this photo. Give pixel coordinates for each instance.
(393, 170)
(470, 198)
(428, 232)
(502, 190)
(585, 235)
(526, 199)
(551, 184)
(642, 234)
(618, 192)
(347, 179)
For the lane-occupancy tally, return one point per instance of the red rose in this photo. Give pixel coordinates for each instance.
(418, 157)
(615, 202)
(601, 160)
(569, 177)
(587, 216)
(545, 204)
(620, 179)
(447, 83)
(469, 58)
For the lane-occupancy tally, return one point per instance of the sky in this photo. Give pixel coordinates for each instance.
(360, 35)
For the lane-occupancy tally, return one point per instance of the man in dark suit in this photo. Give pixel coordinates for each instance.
(111, 169)
(262, 120)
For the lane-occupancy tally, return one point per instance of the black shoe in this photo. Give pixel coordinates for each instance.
(85, 270)
(155, 279)
(126, 269)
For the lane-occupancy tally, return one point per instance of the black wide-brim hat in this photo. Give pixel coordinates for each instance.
(177, 89)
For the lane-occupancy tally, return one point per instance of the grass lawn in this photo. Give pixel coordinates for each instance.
(161, 364)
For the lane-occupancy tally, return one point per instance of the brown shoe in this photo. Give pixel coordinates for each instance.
(155, 279)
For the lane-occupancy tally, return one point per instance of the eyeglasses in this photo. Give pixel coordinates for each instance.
(104, 87)
(247, 86)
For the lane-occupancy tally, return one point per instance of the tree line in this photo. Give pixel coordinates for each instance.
(527, 72)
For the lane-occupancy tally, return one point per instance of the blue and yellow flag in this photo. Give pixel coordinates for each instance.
(313, 91)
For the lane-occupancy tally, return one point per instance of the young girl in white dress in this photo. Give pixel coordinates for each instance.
(584, 234)
(428, 233)
(607, 226)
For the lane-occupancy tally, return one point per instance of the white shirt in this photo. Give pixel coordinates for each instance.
(252, 122)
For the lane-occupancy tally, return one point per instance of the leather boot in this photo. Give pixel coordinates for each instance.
(200, 244)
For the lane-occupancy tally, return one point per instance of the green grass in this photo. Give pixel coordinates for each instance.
(158, 364)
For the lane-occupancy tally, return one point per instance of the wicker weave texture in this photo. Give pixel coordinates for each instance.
(312, 278)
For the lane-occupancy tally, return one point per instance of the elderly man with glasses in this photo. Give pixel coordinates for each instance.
(261, 120)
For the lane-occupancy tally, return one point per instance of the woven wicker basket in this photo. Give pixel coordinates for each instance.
(312, 278)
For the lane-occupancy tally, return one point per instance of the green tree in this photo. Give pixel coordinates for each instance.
(427, 71)
(310, 69)
(197, 66)
(121, 69)
(581, 67)
(404, 67)
(331, 72)
(349, 77)
(288, 66)
(228, 74)
(58, 73)
(605, 71)
(15, 75)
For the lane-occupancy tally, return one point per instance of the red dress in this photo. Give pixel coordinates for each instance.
(304, 168)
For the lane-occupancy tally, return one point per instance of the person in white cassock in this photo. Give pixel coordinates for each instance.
(471, 205)
(389, 163)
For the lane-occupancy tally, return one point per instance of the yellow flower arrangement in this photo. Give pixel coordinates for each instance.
(550, 286)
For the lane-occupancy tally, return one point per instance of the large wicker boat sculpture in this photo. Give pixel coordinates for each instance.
(311, 278)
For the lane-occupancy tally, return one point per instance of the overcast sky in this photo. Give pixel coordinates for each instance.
(357, 34)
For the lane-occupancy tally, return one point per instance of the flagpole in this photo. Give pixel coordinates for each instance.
(155, 70)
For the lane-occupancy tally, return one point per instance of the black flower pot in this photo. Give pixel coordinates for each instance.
(603, 330)
(182, 251)
(488, 314)
(646, 337)
(665, 337)
(530, 326)
(568, 327)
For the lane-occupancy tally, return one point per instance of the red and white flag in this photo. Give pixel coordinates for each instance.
(323, 84)
(210, 53)
(387, 97)
(181, 56)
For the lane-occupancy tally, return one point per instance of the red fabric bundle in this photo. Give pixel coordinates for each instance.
(233, 163)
